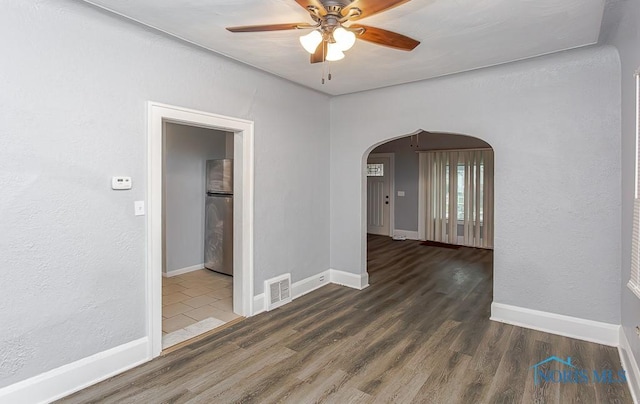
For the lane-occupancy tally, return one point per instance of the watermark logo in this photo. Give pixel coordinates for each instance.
(568, 373)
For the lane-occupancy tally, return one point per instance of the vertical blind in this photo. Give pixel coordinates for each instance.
(456, 197)
(634, 281)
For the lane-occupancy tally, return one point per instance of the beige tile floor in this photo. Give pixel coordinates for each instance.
(195, 296)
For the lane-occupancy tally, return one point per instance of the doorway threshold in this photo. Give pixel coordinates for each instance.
(195, 332)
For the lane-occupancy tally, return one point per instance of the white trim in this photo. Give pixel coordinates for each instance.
(637, 77)
(310, 284)
(422, 201)
(392, 187)
(349, 279)
(75, 376)
(181, 271)
(573, 327)
(407, 234)
(242, 209)
(635, 289)
(258, 304)
(317, 281)
(630, 365)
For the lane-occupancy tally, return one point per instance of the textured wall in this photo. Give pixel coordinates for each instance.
(75, 82)
(554, 124)
(406, 170)
(187, 150)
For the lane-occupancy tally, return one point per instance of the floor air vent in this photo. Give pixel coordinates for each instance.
(277, 291)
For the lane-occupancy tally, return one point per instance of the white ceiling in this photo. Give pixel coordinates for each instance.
(455, 35)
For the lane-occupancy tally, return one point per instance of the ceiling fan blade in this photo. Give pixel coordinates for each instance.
(371, 7)
(386, 38)
(320, 53)
(315, 3)
(270, 27)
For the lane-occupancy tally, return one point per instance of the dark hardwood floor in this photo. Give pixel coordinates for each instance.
(420, 333)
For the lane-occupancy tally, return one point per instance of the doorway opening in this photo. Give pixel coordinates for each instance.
(380, 192)
(171, 244)
(197, 265)
(397, 190)
(440, 202)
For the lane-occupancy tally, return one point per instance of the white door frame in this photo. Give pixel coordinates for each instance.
(242, 210)
(392, 187)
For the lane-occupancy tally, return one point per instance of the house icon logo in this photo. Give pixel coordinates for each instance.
(537, 374)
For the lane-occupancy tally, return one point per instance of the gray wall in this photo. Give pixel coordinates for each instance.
(74, 91)
(406, 169)
(625, 17)
(75, 85)
(554, 125)
(187, 150)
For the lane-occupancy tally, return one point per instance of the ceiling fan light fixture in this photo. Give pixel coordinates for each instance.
(334, 52)
(311, 41)
(344, 38)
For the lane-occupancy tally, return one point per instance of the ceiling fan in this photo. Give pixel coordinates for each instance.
(330, 38)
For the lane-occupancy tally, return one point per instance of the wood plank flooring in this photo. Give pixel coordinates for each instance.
(420, 333)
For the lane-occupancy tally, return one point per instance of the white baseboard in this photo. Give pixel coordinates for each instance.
(75, 376)
(408, 234)
(317, 281)
(630, 365)
(181, 271)
(310, 284)
(258, 304)
(356, 281)
(573, 327)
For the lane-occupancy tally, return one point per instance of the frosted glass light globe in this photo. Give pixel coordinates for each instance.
(311, 41)
(345, 39)
(334, 53)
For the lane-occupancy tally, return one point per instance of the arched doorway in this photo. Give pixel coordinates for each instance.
(440, 195)
(400, 159)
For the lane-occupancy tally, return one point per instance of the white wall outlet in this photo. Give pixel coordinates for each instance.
(139, 208)
(322, 278)
(400, 193)
(121, 182)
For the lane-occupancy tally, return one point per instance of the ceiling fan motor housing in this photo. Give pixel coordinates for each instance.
(333, 4)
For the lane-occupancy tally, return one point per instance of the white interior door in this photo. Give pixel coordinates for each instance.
(378, 195)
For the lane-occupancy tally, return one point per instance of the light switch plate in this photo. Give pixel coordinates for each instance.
(121, 182)
(139, 208)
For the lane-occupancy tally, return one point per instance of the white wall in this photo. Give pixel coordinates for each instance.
(553, 123)
(75, 82)
(187, 150)
(624, 17)
(406, 169)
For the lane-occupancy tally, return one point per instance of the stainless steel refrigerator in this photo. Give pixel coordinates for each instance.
(218, 230)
